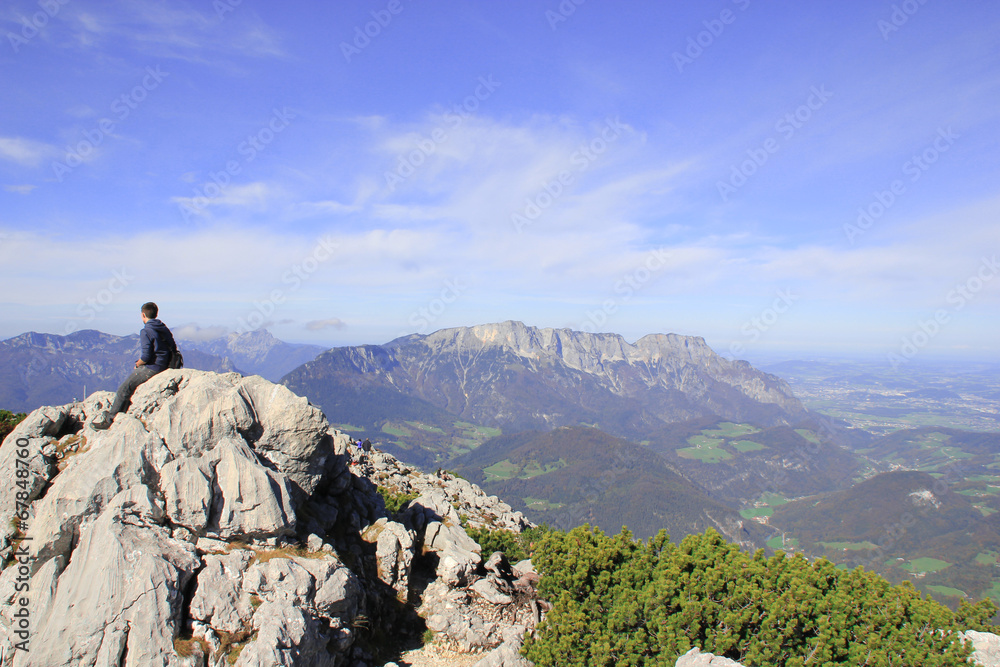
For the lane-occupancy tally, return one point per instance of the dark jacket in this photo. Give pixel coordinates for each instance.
(156, 343)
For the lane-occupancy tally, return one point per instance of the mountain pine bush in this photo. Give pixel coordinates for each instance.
(8, 420)
(620, 602)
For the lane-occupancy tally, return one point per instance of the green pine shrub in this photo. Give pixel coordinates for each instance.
(620, 602)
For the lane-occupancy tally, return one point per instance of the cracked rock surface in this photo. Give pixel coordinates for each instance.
(221, 520)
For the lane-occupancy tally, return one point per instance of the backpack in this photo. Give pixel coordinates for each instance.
(176, 359)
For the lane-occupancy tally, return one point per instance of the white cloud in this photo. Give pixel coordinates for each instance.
(320, 325)
(193, 332)
(20, 189)
(256, 195)
(26, 152)
(331, 207)
(168, 30)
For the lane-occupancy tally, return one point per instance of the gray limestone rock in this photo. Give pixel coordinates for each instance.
(187, 491)
(21, 455)
(287, 636)
(134, 532)
(193, 410)
(458, 554)
(490, 592)
(986, 647)
(250, 499)
(508, 654)
(695, 658)
(128, 574)
(393, 553)
(220, 601)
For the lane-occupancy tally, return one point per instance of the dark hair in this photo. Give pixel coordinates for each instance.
(150, 310)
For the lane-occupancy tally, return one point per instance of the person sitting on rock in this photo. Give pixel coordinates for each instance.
(156, 346)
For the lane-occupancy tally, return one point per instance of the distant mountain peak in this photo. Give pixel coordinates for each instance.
(514, 376)
(575, 348)
(259, 352)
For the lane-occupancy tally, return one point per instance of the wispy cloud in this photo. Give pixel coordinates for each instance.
(172, 30)
(256, 195)
(320, 325)
(26, 152)
(193, 332)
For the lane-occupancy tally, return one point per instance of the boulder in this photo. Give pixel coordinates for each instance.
(508, 654)
(128, 574)
(287, 636)
(220, 601)
(393, 553)
(458, 554)
(986, 647)
(695, 658)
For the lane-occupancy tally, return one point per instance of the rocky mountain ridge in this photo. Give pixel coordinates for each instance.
(257, 352)
(48, 369)
(222, 521)
(516, 377)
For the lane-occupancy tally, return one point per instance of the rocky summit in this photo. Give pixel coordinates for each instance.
(221, 520)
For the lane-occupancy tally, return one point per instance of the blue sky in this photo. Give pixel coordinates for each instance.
(783, 178)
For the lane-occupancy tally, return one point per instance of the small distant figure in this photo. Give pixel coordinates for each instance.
(366, 446)
(157, 346)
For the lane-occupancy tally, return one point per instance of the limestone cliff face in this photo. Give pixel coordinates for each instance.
(220, 521)
(520, 377)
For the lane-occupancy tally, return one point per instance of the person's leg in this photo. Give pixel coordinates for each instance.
(128, 387)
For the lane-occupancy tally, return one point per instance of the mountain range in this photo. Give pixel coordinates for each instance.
(573, 427)
(257, 352)
(48, 369)
(514, 377)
